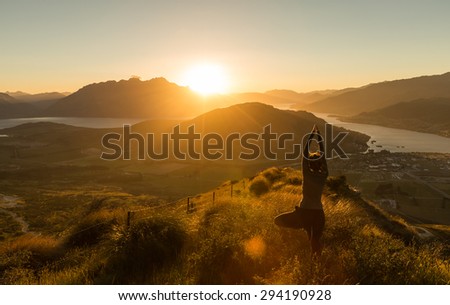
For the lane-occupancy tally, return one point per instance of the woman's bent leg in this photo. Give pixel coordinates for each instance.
(316, 234)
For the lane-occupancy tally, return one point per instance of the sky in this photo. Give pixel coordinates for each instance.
(302, 45)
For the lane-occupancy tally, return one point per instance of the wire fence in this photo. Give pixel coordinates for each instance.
(189, 201)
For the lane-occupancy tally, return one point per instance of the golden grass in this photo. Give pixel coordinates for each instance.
(233, 241)
(43, 245)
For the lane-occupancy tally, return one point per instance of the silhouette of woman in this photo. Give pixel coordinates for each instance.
(309, 215)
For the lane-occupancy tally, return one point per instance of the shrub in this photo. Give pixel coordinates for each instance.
(93, 229)
(295, 181)
(144, 248)
(273, 174)
(259, 186)
(338, 186)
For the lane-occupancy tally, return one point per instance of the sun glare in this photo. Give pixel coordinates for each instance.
(207, 79)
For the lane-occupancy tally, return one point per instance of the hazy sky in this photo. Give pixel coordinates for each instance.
(299, 45)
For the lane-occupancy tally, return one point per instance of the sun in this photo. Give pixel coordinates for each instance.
(207, 79)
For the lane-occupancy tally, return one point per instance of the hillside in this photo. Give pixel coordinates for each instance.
(36, 141)
(423, 115)
(253, 117)
(231, 240)
(48, 143)
(379, 95)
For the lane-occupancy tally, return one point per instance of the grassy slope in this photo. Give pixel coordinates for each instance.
(230, 241)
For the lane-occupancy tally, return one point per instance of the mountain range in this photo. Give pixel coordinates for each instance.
(155, 98)
(160, 99)
(39, 100)
(12, 108)
(379, 95)
(22, 105)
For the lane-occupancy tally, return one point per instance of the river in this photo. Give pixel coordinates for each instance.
(393, 139)
(8, 202)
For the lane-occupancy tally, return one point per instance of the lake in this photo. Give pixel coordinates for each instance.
(79, 122)
(393, 139)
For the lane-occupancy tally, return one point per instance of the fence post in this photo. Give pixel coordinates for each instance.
(214, 196)
(129, 219)
(232, 191)
(444, 201)
(188, 205)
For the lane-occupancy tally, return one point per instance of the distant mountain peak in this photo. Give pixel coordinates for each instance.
(4, 97)
(17, 93)
(154, 98)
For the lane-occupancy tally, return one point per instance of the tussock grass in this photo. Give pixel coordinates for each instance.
(143, 249)
(259, 186)
(94, 228)
(22, 256)
(41, 248)
(272, 174)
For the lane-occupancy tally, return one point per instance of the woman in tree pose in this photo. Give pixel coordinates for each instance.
(309, 215)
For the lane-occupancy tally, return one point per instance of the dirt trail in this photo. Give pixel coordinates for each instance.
(8, 202)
